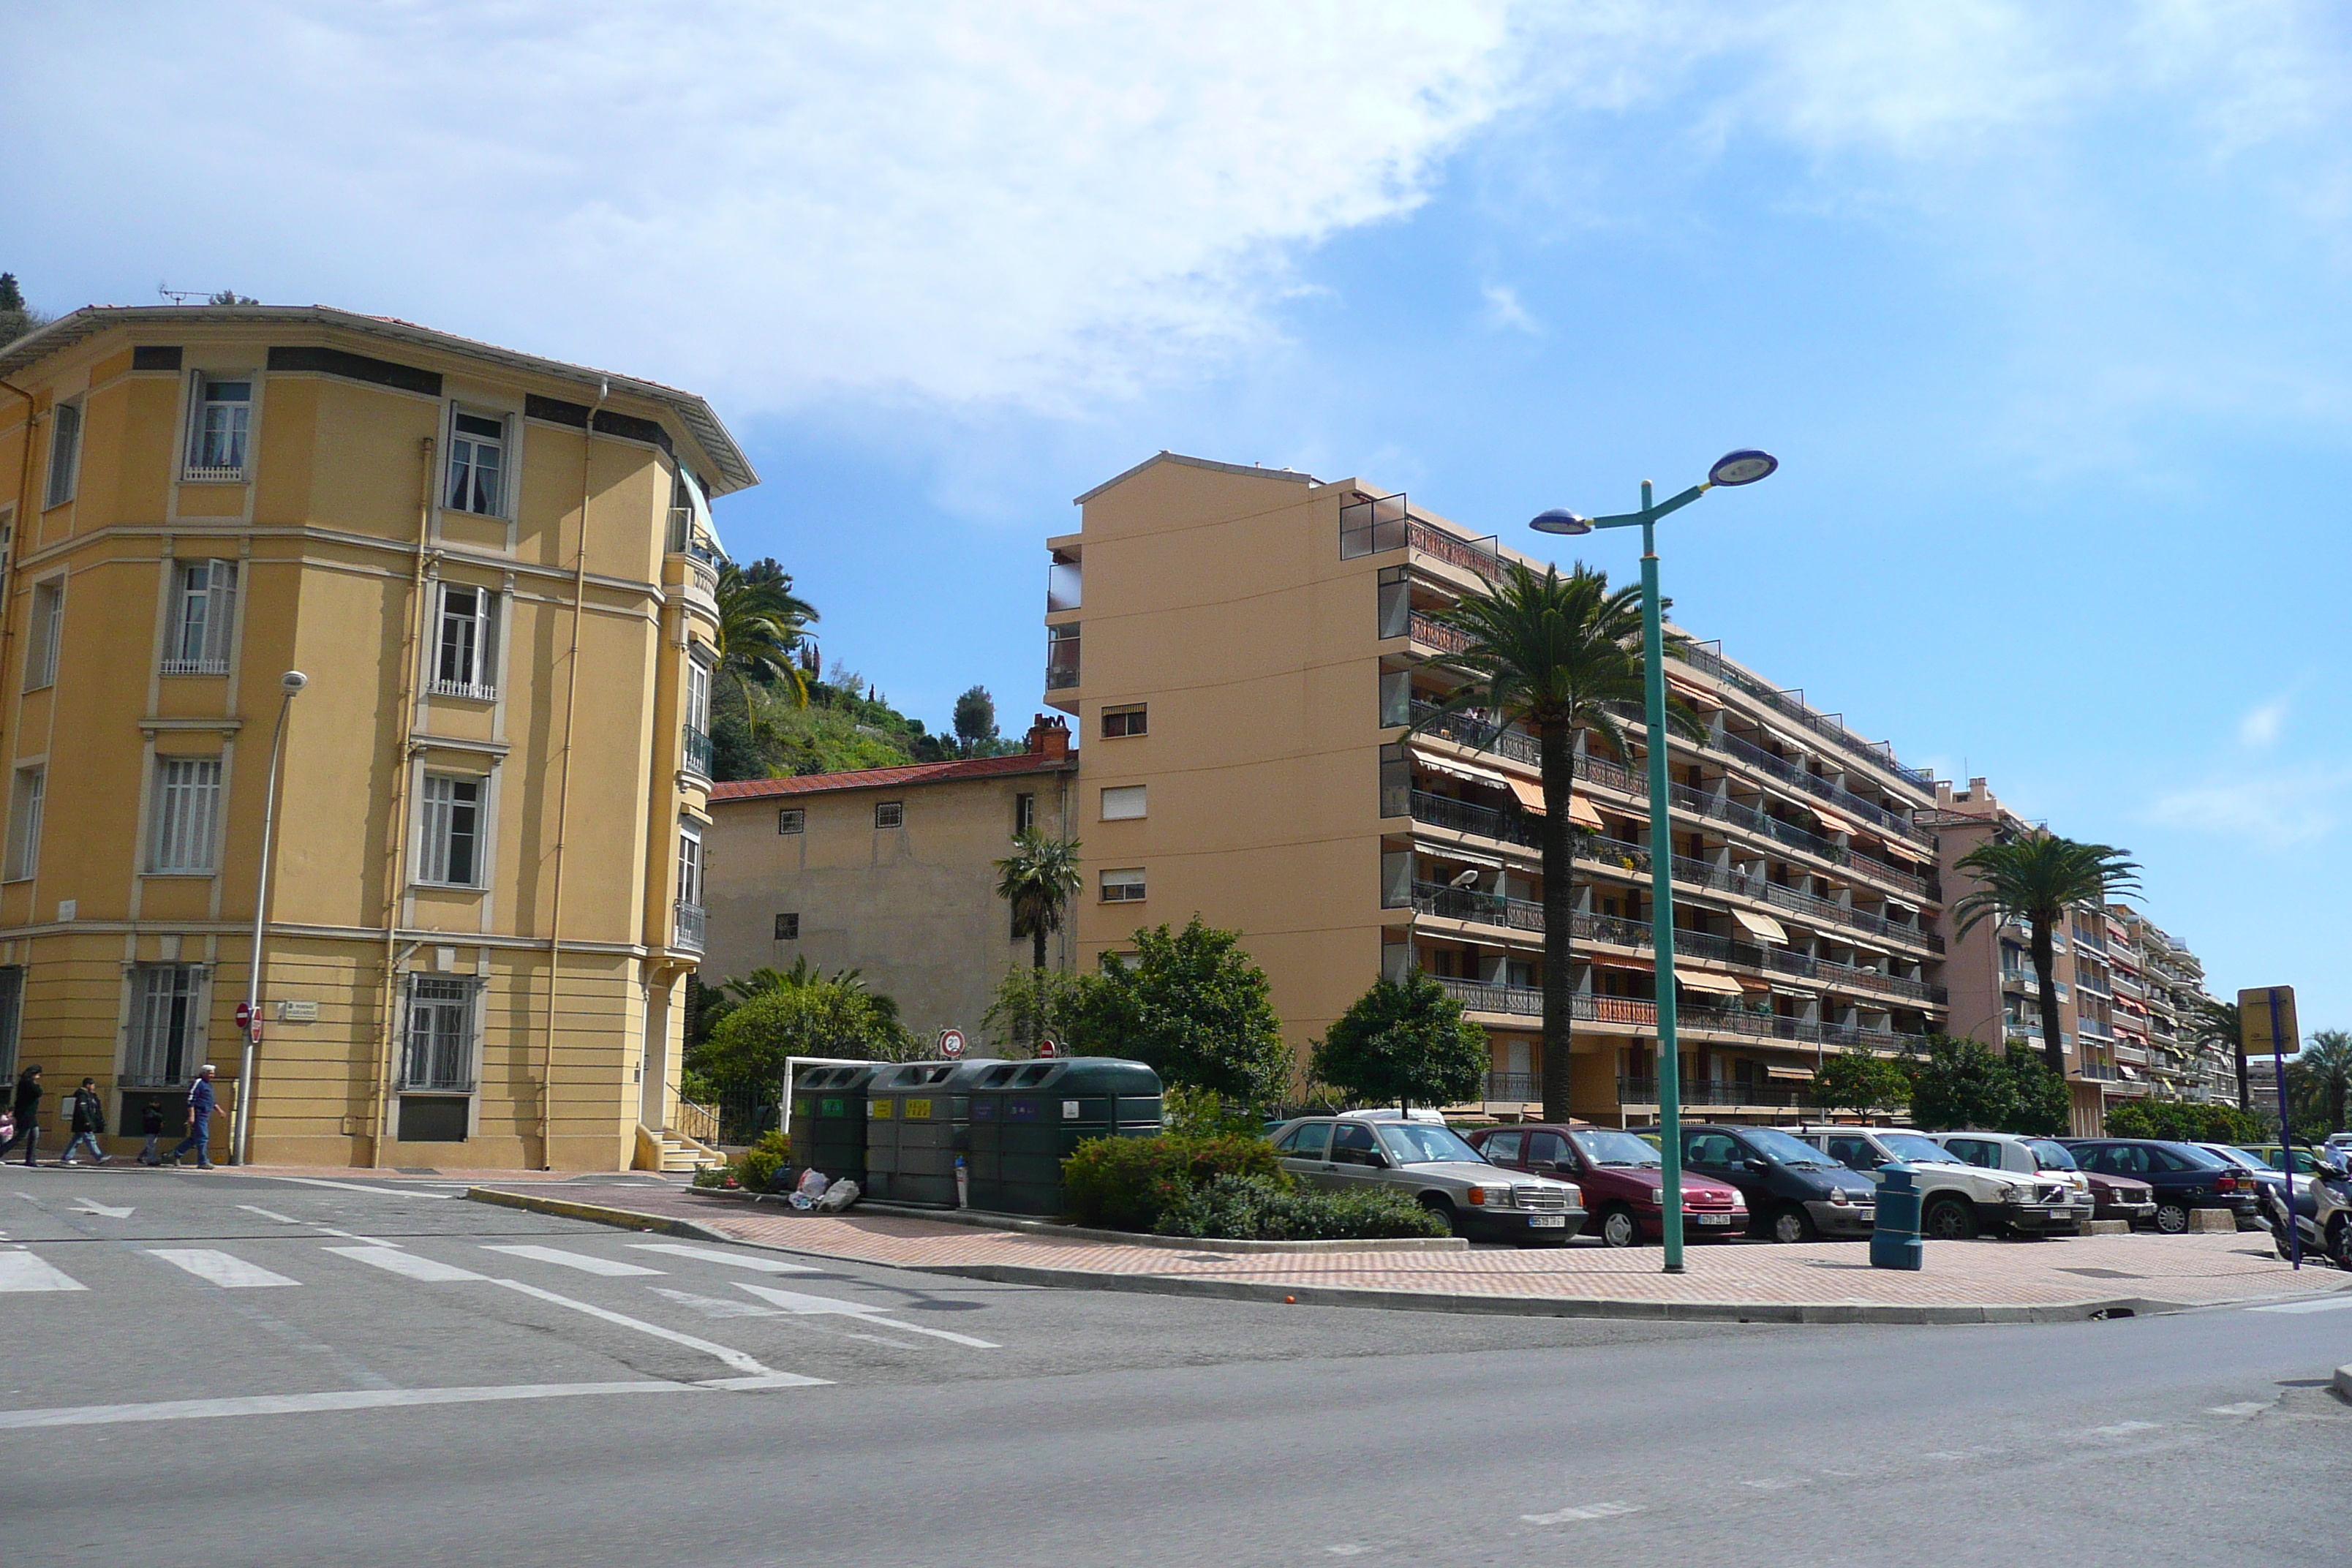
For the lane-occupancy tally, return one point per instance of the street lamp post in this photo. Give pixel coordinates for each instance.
(1741, 468)
(291, 683)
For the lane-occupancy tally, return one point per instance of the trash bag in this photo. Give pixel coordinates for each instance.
(811, 1183)
(837, 1198)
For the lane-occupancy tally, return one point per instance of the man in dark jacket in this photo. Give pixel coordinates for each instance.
(27, 1108)
(89, 1121)
(201, 1108)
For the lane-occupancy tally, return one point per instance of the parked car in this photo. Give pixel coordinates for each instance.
(1956, 1200)
(1621, 1177)
(2184, 1176)
(1794, 1192)
(2121, 1197)
(1431, 1163)
(2044, 1159)
(2256, 1171)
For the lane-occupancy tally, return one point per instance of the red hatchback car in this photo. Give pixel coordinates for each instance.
(1621, 1176)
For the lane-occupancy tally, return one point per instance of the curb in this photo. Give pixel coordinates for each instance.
(1031, 1226)
(2344, 1381)
(1822, 1313)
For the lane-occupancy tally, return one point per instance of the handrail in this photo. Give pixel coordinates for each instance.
(1585, 1007)
(1827, 725)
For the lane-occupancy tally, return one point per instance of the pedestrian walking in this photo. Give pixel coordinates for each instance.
(27, 1108)
(202, 1107)
(89, 1121)
(151, 1122)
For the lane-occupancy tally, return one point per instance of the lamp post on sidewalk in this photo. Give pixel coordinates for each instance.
(290, 684)
(1741, 468)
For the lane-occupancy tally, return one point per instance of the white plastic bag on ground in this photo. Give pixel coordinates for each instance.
(838, 1196)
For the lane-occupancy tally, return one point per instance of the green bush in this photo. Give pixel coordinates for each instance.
(754, 1165)
(2186, 1122)
(1256, 1208)
(1127, 1184)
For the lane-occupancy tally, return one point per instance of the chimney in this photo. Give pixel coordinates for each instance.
(1049, 736)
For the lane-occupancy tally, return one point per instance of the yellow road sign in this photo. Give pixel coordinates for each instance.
(2254, 1028)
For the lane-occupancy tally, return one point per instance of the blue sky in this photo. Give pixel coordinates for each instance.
(2043, 306)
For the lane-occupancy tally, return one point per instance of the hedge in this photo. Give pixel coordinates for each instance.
(1126, 1184)
(1252, 1208)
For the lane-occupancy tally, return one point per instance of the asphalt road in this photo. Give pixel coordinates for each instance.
(250, 1369)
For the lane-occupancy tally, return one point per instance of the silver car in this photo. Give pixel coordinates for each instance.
(1431, 1163)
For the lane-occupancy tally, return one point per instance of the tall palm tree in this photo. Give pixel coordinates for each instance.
(2215, 1027)
(1038, 879)
(2323, 1069)
(2036, 878)
(1559, 655)
(760, 622)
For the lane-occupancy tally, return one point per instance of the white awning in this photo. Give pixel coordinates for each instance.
(1452, 769)
(701, 505)
(1700, 980)
(1763, 928)
(1798, 1075)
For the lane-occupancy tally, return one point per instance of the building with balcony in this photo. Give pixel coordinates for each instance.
(496, 571)
(888, 871)
(1257, 647)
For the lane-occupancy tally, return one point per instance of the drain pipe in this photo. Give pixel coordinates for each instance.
(412, 655)
(563, 790)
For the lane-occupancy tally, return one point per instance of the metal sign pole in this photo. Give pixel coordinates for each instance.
(2286, 1132)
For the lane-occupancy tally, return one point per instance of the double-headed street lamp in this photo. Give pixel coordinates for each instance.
(1741, 468)
(291, 683)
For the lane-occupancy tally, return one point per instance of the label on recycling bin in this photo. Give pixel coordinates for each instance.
(983, 1110)
(918, 1110)
(829, 1108)
(1069, 1110)
(879, 1110)
(1023, 1111)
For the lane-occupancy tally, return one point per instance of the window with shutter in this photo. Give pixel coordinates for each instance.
(204, 615)
(449, 840)
(186, 813)
(46, 632)
(167, 1024)
(24, 802)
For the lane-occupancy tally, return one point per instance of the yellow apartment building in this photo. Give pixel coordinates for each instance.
(1245, 650)
(496, 571)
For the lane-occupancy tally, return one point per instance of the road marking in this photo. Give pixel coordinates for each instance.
(735, 1259)
(733, 1357)
(1778, 1483)
(1348, 1550)
(717, 1307)
(794, 1302)
(2329, 1304)
(89, 1206)
(392, 1260)
(222, 1269)
(23, 1271)
(354, 1186)
(2121, 1429)
(2244, 1407)
(269, 1214)
(1591, 1510)
(611, 1267)
(352, 1399)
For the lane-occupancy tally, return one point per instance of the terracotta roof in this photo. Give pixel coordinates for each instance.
(891, 778)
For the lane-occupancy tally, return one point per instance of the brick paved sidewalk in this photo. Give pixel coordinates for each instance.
(1980, 1280)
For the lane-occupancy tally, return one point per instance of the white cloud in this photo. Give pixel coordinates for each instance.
(1504, 311)
(2289, 807)
(2260, 727)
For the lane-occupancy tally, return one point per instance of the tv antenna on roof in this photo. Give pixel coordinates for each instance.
(179, 296)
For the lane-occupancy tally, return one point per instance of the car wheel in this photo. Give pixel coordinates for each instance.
(1949, 1219)
(2172, 1219)
(1618, 1227)
(1445, 1211)
(1793, 1223)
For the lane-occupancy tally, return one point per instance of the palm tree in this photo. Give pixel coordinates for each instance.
(760, 622)
(2036, 878)
(1038, 879)
(2323, 1070)
(1559, 655)
(2215, 1027)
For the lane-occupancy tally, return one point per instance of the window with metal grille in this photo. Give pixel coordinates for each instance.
(440, 1041)
(204, 610)
(477, 448)
(24, 802)
(167, 1024)
(890, 813)
(462, 652)
(449, 846)
(788, 928)
(791, 819)
(186, 815)
(1123, 886)
(65, 452)
(42, 636)
(220, 417)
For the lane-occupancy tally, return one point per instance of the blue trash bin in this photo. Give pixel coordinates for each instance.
(1894, 1238)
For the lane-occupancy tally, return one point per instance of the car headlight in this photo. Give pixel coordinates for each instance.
(1840, 1195)
(1490, 1197)
(1655, 1197)
(1739, 1199)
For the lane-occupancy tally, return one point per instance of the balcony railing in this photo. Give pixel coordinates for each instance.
(195, 667)
(697, 751)
(466, 690)
(1062, 660)
(1839, 797)
(1790, 706)
(1634, 1012)
(1454, 550)
(1644, 1091)
(688, 920)
(1446, 639)
(1065, 587)
(1514, 1088)
(687, 538)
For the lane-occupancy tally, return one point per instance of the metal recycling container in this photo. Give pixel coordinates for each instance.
(1895, 1237)
(915, 1118)
(829, 1121)
(1029, 1117)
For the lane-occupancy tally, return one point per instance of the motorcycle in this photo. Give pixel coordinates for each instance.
(2322, 1202)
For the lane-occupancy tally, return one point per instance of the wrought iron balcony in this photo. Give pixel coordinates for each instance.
(687, 920)
(1644, 1091)
(1635, 1012)
(1796, 707)
(696, 752)
(1446, 639)
(1514, 1088)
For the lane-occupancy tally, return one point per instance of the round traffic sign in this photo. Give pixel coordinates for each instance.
(1049, 1047)
(245, 1014)
(950, 1043)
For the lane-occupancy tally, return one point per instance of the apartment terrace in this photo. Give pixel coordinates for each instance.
(1637, 1015)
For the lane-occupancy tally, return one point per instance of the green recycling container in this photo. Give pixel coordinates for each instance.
(1029, 1117)
(916, 1116)
(829, 1121)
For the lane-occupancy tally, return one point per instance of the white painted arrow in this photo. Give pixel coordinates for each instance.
(108, 1210)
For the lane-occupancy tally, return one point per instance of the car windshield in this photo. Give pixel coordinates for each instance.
(1607, 1148)
(1911, 1146)
(2051, 1156)
(1411, 1144)
(1775, 1144)
(2237, 1157)
(2202, 1159)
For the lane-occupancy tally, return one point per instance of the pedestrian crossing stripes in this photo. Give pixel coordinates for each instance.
(392, 1260)
(222, 1269)
(24, 1271)
(732, 1260)
(587, 1263)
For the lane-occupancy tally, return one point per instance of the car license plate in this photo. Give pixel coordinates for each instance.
(1712, 1218)
(1547, 1221)
(1870, 1215)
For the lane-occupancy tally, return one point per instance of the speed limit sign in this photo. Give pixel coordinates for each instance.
(950, 1044)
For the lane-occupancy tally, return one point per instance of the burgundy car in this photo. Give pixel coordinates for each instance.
(1621, 1176)
(2121, 1197)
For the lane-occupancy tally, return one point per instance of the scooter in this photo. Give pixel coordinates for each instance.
(2323, 1212)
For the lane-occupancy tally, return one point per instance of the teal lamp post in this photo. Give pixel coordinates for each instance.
(1741, 468)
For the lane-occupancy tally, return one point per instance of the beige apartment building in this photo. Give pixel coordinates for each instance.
(496, 571)
(888, 871)
(1244, 649)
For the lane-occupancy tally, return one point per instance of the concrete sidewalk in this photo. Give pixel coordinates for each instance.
(1964, 1282)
